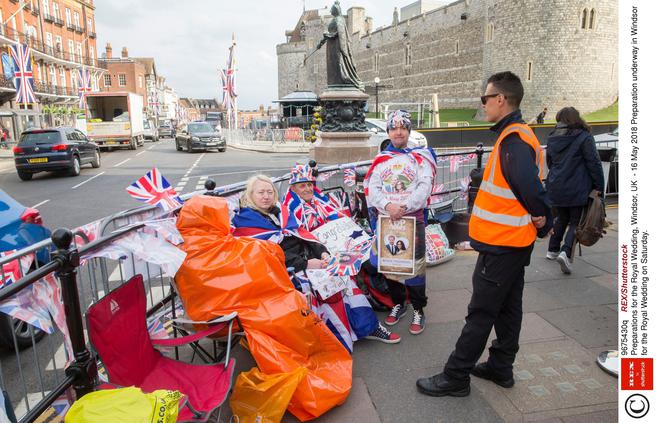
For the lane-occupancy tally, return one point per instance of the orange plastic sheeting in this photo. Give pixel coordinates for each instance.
(222, 274)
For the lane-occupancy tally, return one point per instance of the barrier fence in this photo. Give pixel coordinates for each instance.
(265, 136)
(37, 375)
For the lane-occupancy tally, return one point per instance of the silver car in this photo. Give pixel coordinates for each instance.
(379, 137)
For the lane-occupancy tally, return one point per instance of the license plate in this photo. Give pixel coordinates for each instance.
(39, 160)
(111, 142)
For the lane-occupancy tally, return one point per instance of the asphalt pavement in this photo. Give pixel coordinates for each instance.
(66, 201)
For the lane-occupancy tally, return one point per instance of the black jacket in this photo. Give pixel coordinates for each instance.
(574, 167)
(519, 165)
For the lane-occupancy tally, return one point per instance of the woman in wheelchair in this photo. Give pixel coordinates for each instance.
(346, 315)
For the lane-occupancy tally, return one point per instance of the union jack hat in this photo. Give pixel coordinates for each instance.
(301, 173)
(398, 118)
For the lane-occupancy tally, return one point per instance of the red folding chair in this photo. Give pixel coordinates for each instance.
(118, 331)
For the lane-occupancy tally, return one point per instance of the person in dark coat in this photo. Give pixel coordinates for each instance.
(574, 171)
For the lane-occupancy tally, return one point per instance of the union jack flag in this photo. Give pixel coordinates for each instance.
(349, 177)
(84, 87)
(154, 189)
(25, 89)
(345, 263)
(228, 80)
(322, 177)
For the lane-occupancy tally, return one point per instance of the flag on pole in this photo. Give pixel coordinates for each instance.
(25, 88)
(228, 84)
(153, 188)
(84, 87)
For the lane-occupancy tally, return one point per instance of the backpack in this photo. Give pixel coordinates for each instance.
(593, 218)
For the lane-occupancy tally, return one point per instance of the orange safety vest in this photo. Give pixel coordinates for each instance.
(498, 218)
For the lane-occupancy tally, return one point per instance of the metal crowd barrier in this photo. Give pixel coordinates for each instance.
(36, 376)
(265, 136)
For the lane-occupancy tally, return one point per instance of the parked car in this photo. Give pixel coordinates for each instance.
(166, 130)
(199, 135)
(379, 137)
(52, 149)
(150, 132)
(20, 227)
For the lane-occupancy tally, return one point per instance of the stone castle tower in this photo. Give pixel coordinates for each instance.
(564, 51)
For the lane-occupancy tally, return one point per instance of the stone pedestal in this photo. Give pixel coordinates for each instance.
(344, 136)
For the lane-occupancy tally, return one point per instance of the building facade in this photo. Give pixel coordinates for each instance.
(63, 39)
(565, 52)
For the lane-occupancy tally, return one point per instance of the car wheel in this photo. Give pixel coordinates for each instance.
(96, 163)
(132, 144)
(24, 176)
(189, 149)
(221, 150)
(24, 333)
(75, 168)
(384, 145)
(177, 146)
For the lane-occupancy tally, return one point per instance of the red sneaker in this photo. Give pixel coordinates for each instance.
(417, 325)
(397, 313)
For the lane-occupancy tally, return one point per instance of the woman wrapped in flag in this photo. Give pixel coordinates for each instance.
(347, 317)
(398, 184)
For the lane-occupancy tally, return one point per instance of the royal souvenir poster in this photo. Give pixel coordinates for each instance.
(340, 235)
(396, 245)
(324, 284)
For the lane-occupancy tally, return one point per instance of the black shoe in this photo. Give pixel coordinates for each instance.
(439, 386)
(482, 370)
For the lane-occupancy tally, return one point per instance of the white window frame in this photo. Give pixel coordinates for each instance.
(122, 77)
(90, 29)
(68, 16)
(77, 21)
(58, 42)
(73, 79)
(107, 80)
(79, 51)
(70, 44)
(56, 10)
(53, 80)
(49, 41)
(45, 7)
(63, 76)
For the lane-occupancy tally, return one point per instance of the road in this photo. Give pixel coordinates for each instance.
(73, 201)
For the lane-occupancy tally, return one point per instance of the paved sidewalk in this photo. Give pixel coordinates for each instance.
(568, 320)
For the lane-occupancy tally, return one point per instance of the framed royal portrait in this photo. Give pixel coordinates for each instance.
(395, 241)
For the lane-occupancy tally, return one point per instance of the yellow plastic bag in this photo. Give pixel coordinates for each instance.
(126, 405)
(264, 398)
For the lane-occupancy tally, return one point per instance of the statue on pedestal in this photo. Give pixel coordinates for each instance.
(340, 64)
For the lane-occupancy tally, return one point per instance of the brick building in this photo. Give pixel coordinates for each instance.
(63, 39)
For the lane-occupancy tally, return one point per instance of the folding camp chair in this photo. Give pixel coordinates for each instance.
(118, 331)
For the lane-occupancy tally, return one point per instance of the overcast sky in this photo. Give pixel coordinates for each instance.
(189, 39)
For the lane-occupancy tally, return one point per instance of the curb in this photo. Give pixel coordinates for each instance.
(272, 149)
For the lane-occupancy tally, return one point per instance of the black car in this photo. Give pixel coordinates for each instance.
(199, 136)
(53, 149)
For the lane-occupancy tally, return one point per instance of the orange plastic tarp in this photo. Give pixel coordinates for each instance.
(222, 274)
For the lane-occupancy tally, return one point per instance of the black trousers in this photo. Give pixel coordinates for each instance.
(496, 303)
(567, 219)
(416, 294)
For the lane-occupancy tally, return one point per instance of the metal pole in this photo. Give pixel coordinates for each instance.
(377, 117)
(83, 369)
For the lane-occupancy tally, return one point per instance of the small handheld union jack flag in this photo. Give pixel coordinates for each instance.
(154, 189)
(349, 177)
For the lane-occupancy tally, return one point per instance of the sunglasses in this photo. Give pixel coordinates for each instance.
(486, 97)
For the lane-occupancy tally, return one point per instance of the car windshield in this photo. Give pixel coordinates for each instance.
(146, 125)
(200, 127)
(164, 125)
(39, 138)
(372, 125)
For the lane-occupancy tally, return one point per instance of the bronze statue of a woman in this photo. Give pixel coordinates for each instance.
(340, 65)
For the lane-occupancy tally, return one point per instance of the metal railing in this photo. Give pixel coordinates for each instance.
(265, 136)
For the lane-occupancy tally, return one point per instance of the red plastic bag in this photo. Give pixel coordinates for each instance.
(222, 274)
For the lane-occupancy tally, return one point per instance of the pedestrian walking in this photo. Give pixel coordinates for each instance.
(540, 117)
(511, 210)
(414, 170)
(575, 170)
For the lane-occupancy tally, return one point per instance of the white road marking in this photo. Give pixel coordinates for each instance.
(122, 162)
(178, 189)
(184, 179)
(142, 152)
(87, 180)
(40, 204)
(199, 187)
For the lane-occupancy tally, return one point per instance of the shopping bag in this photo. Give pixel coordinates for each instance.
(438, 247)
(261, 397)
(126, 405)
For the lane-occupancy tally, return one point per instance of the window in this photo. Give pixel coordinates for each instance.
(107, 80)
(58, 43)
(140, 82)
(76, 21)
(49, 42)
(70, 44)
(51, 74)
(584, 19)
(45, 7)
(56, 10)
(39, 73)
(591, 22)
(68, 17)
(122, 80)
(63, 77)
(90, 25)
(79, 51)
(489, 32)
(72, 79)
(2, 27)
(376, 62)
(409, 57)
(529, 72)
(456, 47)
(13, 25)
(92, 55)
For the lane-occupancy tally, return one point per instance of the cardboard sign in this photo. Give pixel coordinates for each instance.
(337, 235)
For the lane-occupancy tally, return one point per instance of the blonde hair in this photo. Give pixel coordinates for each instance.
(246, 201)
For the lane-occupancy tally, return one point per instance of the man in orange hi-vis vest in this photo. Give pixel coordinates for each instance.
(510, 212)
